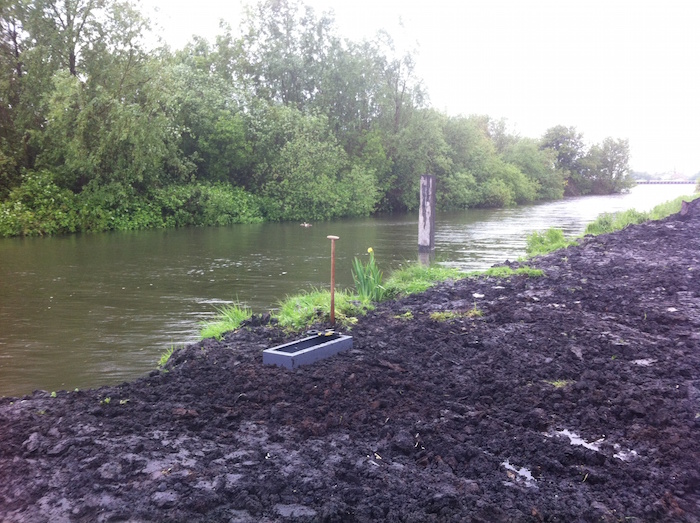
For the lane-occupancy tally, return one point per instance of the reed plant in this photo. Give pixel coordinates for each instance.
(368, 279)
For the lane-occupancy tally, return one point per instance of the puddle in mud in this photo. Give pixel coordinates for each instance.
(645, 362)
(521, 475)
(575, 439)
(624, 454)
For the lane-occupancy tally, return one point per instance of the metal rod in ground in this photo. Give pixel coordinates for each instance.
(333, 239)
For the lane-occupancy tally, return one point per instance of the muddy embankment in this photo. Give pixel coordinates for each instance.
(570, 397)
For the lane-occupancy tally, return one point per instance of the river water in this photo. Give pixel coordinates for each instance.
(94, 309)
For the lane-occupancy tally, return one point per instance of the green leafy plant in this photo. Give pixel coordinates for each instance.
(368, 279)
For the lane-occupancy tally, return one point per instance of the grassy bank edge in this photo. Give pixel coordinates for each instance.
(553, 239)
(300, 311)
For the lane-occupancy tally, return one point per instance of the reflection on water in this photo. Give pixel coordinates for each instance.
(88, 310)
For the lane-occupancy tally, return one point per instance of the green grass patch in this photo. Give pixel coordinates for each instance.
(416, 278)
(165, 356)
(307, 308)
(559, 384)
(443, 316)
(543, 242)
(611, 222)
(507, 272)
(228, 318)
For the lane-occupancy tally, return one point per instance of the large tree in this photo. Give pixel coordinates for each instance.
(570, 150)
(607, 166)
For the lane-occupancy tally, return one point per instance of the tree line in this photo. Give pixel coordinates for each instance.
(282, 120)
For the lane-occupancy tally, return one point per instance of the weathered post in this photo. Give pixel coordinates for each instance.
(426, 218)
(333, 239)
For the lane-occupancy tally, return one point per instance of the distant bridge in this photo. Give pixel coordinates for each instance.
(665, 182)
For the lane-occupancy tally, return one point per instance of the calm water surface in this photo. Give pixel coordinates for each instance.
(89, 310)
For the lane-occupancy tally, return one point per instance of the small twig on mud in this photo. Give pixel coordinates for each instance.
(241, 395)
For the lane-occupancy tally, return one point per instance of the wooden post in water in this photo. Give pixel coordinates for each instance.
(426, 218)
(333, 239)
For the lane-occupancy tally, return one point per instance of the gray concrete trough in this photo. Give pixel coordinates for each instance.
(307, 350)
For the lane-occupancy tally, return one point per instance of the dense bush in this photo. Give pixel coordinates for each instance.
(39, 206)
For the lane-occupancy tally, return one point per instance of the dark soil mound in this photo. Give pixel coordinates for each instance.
(572, 397)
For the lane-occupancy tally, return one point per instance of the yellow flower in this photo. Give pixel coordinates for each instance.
(370, 250)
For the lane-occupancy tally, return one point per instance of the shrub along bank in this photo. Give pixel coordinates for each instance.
(40, 207)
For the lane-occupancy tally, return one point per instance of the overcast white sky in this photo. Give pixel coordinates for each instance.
(621, 68)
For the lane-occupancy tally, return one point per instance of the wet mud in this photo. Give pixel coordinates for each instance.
(569, 397)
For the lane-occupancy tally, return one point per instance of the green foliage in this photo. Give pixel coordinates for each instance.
(458, 191)
(567, 145)
(543, 242)
(553, 239)
(671, 207)
(228, 318)
(610, 222)
(37, 207)
(165, 356)
(496, 193)
(608, 165)
(368, 279)
(416, 278)
(287, 121)
(602, 169)
(305, 309)
(445, 316)
(559, 384)
(506, 272)
(538, 165)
